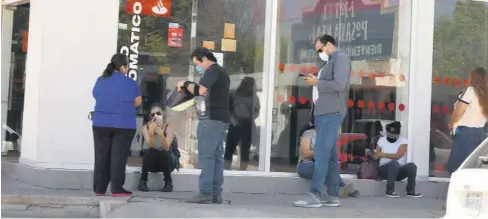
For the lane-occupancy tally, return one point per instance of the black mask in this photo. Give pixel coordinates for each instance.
(391, 140)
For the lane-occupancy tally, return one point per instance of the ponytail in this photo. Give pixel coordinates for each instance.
(108, 70)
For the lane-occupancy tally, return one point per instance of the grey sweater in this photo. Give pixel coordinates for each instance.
(333, 86)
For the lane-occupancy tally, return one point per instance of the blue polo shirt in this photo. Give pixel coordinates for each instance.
(114, 105)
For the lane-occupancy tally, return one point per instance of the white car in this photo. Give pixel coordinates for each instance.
(467, 196)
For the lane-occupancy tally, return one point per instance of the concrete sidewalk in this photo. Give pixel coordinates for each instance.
(157, 204)
(271, 206)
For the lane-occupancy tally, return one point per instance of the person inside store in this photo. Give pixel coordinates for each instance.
(469, 118)
(306, 166)
(212, 106)
(330, 92)
(162, 153)
(244, 109)
(392, 154)
(114, 125)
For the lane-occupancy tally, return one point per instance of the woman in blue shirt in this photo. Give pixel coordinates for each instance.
(114, 125)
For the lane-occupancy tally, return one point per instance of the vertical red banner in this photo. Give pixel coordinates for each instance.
(175, 35)
(25, 41)
(157, 8)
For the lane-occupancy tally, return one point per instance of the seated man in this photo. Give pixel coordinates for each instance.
(391, 151)
(306, 164)
(162, 154)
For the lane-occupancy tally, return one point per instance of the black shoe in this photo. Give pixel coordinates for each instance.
(168, 187)
(201, 199)
(414, 194)
(143, 186)
(217, 199)
(392, 194)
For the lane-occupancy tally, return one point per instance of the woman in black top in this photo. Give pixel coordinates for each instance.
(244, 109)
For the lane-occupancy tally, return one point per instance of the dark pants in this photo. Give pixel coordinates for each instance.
(211, 135)
(112, 147)
(305, 170)
(157, 161)
(240, 133)
(466, 140)
(392, 172)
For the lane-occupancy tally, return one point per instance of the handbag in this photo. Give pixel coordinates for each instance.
(368, 169)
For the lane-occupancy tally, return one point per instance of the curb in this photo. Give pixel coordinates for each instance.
(49, 200)
(105, 206)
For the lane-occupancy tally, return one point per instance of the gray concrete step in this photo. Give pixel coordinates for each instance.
(185, 182)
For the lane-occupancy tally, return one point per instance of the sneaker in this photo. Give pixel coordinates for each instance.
(217, 199)
(392, 194)
(332, 203)
(413, 194)
(201, 199)
(314, 201)
(354, 193)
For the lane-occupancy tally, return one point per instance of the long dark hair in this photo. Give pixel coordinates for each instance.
(247, 87)
(310, 125)
(117, 61)
(479, 81)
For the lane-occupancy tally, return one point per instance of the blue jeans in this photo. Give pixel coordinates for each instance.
(466, 139)
(211, 136)
(305, 171)
(326, 165)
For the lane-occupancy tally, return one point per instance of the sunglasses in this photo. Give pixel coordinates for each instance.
(156, 114)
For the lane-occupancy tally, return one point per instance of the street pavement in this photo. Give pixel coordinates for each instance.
(236, 205)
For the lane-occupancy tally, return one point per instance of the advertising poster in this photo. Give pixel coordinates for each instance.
(175, 35)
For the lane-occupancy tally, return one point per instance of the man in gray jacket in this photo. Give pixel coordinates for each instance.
(330, 93)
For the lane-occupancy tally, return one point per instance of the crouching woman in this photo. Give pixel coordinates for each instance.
(162, 154)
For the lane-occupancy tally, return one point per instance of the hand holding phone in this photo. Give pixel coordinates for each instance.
(302, 75)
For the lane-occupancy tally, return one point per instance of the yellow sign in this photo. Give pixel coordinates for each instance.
(163, 70)
(209, 45)
(229, 45)
(229, 30)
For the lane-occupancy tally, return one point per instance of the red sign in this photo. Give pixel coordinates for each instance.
(25, 41)
(175, 35)
(157, 8)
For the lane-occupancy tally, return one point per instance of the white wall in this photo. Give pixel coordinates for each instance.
(7, 20)
(68, 50)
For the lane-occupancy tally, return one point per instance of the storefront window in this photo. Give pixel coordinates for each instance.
(460, 44)
(370, 32)
(159, 35)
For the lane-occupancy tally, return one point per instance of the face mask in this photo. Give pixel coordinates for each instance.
(324, 56)
(391, 140)
(200, 69)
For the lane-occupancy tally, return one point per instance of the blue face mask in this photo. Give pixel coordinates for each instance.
(200, 69)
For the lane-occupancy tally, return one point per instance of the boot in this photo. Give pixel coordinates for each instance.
(143, 186)
(243, 165)
(168, 187)
(227, 165)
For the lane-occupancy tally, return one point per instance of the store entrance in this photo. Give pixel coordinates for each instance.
(13, 93)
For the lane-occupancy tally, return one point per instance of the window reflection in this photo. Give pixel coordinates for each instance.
(460, 44)
(369, 32)
(159, 45)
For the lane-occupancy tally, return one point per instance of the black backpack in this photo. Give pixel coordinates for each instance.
(174, 152)
(242, 106)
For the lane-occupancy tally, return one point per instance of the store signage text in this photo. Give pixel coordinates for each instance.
(364, 33)
(132, 51)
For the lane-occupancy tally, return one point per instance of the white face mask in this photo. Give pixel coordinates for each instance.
(324, 56)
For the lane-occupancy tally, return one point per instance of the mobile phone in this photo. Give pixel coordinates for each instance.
(303, 75)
